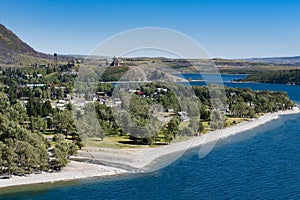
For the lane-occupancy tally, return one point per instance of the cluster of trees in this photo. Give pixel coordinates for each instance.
(23, 147)
(16, 79)
(248, 103)
(137, 122)
(276, 76)
(105, 87)
(25, 151)
(113, 73)
(245, 102)
(153, 98)
(49, 75)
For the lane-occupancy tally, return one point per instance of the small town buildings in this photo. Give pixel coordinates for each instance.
(183, 116)
(170, 110)
(117, 62)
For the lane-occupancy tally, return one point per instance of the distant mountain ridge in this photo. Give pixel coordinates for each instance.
(11, 47)
(293, 60)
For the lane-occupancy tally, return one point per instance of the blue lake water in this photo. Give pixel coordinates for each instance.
(263, 163)
(224, 77)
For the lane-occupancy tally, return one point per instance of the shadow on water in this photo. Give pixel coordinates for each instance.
(34, 190)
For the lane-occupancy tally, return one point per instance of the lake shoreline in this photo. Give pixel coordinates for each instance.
(137, 160)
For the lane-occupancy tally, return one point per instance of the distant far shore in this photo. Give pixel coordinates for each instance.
(109, 162)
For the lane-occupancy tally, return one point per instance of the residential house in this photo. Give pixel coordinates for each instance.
(183, 116)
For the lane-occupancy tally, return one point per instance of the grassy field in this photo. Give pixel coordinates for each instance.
(206, 127)
(231, 121)
(114, 142)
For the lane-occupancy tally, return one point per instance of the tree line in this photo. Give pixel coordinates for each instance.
(140, 127)
(276, 76)
(24, 151)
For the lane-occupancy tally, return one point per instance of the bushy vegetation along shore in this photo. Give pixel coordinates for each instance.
(38, 131)
(291, 77)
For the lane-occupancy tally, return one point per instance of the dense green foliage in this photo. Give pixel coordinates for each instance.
(248, 103)
(284, 76)
(27, 115)
(22, 150)
(113, 73)
(139, 125)
(42, 75)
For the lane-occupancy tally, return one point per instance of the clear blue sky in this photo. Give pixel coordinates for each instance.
(229, 29)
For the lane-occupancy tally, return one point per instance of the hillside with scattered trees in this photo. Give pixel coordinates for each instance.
(283, 76)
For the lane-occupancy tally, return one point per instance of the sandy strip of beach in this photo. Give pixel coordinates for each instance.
(138, 159)
(74, 170)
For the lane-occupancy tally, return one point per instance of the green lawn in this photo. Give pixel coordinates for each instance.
(113, 142)
(231, 121)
